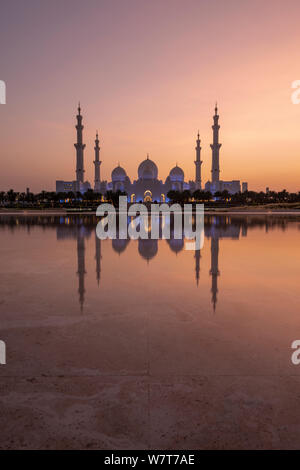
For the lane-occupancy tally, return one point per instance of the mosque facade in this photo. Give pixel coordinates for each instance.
(148, 187)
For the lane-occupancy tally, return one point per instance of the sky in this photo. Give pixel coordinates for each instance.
(148, 74)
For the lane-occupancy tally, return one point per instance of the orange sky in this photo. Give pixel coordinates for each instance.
(148, 75)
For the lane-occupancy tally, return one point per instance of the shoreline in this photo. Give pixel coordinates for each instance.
(66, 212)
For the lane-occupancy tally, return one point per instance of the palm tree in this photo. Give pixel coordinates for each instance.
(2, 197)
(113, 197)
(11, 195)
(199, 195)
(174, 196)
(71, 195)
(89, 195)
(283, 195)
(186, 196)
(225, 195)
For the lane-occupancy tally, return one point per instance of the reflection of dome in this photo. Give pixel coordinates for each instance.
(119, 245)
(176, 174)
(147, 170)
(147, 248)
(176, 244)
(118, 174)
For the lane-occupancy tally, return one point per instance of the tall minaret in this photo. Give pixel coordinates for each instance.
(79, 150)
(97, 164)
(198, 163)
(215, 146)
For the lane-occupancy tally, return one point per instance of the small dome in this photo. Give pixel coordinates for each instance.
(118, 174)
(176, 245)
(176, 174)
(119, 245)
(147, 170)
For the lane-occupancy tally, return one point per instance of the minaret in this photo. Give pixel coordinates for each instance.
(198, 163)
(214, 272)
(215, 146)
(79, 150)
(97, 164)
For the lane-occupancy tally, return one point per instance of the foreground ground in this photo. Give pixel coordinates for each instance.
(136, 412)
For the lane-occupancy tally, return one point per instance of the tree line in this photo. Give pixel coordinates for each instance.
(245, 198)
(53, 199)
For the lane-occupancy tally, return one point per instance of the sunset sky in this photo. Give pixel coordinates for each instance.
(147, 74)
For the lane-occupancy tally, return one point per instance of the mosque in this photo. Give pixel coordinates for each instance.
(148, 187)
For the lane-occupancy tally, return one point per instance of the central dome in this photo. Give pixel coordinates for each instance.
(147, 248)
(118, 174)
(147, 170)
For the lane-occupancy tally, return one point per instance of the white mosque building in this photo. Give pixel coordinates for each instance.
(148, 187)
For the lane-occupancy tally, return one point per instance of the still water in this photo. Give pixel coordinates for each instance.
(143, 344)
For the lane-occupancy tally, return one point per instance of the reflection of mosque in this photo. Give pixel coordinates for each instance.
(80, 227)
(216, 229)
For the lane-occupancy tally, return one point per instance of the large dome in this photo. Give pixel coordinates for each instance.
(147, 248)
(147, 170)
(176, 174)
(118, 174)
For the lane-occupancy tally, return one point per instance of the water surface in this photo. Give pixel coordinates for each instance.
(143, 344)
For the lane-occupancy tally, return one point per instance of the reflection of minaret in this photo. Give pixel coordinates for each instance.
(214, 272)
(198, 163)
(79, 150)
(98, 257)
(197, 265)
(81, 267)
(244, 230)
(97, 164)
(215, 146)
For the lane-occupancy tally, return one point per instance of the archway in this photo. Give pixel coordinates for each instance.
(147, 196)
(132, 198)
